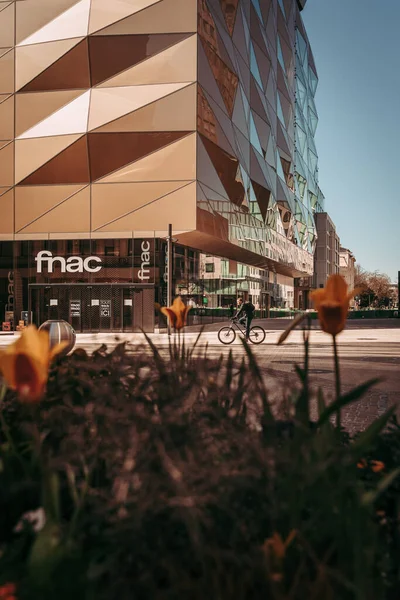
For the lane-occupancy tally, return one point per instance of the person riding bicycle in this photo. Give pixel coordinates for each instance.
(245, 314)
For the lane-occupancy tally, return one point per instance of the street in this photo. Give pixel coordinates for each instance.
(365, 353)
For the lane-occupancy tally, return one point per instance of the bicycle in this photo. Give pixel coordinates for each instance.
(227, 334)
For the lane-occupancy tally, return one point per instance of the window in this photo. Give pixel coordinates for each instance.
(109, 250)
(210, 267)
(225, 268)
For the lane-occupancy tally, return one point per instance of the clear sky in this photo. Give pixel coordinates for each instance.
(357, 53)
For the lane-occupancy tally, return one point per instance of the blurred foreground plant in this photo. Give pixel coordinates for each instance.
(172, 477)
(25, 363)
(332, 304)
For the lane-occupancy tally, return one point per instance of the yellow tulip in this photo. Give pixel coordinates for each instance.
(332, 304)
(177, 313)
(25, 363)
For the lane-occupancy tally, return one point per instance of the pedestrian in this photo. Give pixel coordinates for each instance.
(245, 314)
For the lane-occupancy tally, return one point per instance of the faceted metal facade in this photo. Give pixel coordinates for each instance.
(119, 117)
(100, 97)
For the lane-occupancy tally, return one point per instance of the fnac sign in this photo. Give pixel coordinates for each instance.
(73, 264)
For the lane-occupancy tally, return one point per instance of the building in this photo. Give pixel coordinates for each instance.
(118, 118)
(327, 251)
(347, 268)
(326, 260)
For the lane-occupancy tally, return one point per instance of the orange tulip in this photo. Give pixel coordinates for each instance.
(332, 304)
(377, 466)
(25, 363)
(177, 313)
(277, 545)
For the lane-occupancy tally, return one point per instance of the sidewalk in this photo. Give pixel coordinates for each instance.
(349, 336)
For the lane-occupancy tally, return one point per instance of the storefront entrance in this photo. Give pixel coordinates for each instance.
(94, 308)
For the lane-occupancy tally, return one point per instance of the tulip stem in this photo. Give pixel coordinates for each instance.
(337, 382)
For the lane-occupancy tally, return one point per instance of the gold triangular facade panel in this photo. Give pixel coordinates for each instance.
(34, 107)
(7, 119)
(179, 206)
(174, 162)
(72, 23)
(71, 216)
(70, 119)
(108, 104)
(33, 60)
(177, 63)
(107, 12)
(126, 197)
(176, 112)
(31, 154)
(7, 75)
(7, 25)
(33, 15)
(168, 16)
(7, 213)
(7, 165)
(32, 202)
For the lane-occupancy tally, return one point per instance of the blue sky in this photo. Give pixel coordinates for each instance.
(356, 49)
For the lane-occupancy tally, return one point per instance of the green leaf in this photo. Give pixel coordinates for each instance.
(238, 397)
(44, 554)
(300, 372)
(370, 497)
(3, 390)
(192, 349)
(257, 375)
(365, 439)
(292, 326)
(157, 356)
(254, 368)
(321, 403)
(229, 371)
(346, 399)
(51, 494)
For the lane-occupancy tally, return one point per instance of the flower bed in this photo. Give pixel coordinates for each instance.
(142, 476)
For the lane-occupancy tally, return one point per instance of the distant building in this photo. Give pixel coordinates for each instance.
(326, 260)
(327, 252)
(347, 268)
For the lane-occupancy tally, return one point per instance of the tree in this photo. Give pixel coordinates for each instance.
(380, 284)
(376, 288)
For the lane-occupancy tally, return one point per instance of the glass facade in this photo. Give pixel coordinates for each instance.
(254, 191)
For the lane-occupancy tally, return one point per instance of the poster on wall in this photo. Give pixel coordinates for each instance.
(144, 260)
(25, 317)
(105, 308)
(75, 308)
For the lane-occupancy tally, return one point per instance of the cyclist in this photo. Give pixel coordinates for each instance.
(245, 314)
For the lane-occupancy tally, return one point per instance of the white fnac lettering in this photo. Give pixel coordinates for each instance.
(73, 264)
(10, 291)
(145, 258)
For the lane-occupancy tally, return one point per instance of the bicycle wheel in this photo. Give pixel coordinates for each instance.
(257, 335)
(226, 335)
